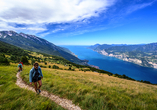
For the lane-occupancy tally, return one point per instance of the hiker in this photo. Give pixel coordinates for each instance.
(21, 63)
(35, 76)
(20, 67)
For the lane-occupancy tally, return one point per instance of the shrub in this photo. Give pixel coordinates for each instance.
(49, 66)
(55, 67)
(86, 69)
(32, 61)
(24, 60)
(43, 66)
(72, 69)
(4, 61)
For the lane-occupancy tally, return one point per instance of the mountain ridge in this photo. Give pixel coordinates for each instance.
(34, 43)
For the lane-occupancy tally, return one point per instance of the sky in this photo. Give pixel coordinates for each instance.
(82, 22)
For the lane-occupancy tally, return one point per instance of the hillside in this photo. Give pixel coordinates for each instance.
(36, 44)
(14, 55)
(11, 50)
(144, 55)
(14, 98)
(91, 90)
(88, 87)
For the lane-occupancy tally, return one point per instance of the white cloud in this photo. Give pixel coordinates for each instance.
(29, 29)
(138, 6)
(43, 34)
(34, 14)
(50, 11)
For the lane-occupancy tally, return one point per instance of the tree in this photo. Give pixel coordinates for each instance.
(4, 61)
(70, 67)
(55, 67)
(32, 61)
(24, 60)
(14, 58)
(3, 55)
(49, 66)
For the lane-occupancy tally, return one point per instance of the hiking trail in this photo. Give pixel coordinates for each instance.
(65, 103)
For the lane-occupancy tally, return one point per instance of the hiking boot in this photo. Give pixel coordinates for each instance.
(39, 91)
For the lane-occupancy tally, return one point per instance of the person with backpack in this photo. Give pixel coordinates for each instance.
(20, 67)
(35, 76)
(21, 63)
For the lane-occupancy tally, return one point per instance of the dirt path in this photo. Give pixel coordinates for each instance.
(67, 104)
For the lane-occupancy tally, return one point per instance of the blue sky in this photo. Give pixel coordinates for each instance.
(83, 22)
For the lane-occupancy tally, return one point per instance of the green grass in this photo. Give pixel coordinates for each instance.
(13, 97)
(98, 92)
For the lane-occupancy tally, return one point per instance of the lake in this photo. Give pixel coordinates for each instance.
(115, 65)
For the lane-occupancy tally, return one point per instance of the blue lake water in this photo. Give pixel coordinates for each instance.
(115, 65)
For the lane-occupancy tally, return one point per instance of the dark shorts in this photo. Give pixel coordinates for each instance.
(36, 79)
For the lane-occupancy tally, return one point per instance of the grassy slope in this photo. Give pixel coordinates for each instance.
(93, 91)
(88, 89)
(12, 97)
(37, 46)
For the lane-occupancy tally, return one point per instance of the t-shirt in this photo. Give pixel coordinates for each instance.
(36, 73)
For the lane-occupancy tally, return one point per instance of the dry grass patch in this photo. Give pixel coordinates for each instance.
(94, 91)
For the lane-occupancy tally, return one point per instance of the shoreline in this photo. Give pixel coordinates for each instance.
(131, 60)
(86, 63)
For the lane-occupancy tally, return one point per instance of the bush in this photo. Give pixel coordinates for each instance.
(32, 61)
(4, 61)
(43, 66)
(49, 66)
(70, 67)
(45, 63)
(86, 69)
(55, 67)
(14, 58)
(24, 60)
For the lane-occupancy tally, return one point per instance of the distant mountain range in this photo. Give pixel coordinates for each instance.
(142, 54)
(36, 44)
